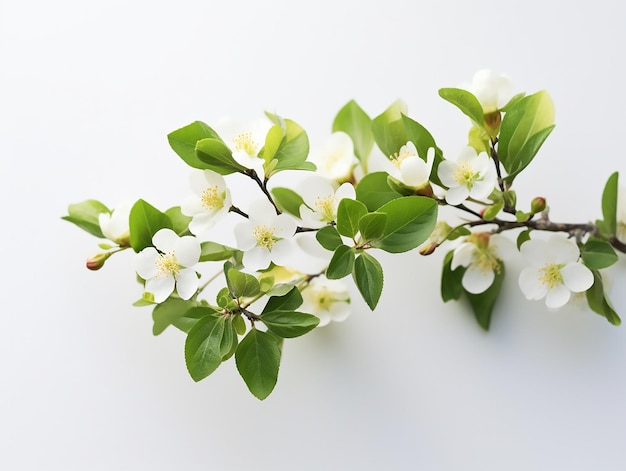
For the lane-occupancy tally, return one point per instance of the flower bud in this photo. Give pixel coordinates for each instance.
(493, 119)
(537, 205)
(97, 261)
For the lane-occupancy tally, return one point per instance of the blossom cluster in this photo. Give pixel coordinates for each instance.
(374, 185)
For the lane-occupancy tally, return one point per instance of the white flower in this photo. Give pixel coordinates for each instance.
(409, 168)
(246, 142)
(481, 254)
(554, 272)
(211, 201)
(621, 214)
(493, 91)
(169, 265)
(115, 225)
(329, 300)
(335, 159)
(471, 176)
(265, 237)
(321, 200)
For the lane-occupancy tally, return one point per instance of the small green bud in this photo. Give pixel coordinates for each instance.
(510, 199)
(537, 205)
(96, 262)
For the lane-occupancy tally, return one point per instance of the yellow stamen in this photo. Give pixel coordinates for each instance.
(264, 236)
(212, 199)
(465, 174)
(326, 207)
(551, 275)
(167, 264)
(244, 142)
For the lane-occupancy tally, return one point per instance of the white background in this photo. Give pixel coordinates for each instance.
(88, 93)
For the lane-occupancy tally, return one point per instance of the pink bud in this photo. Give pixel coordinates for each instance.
(96, 261)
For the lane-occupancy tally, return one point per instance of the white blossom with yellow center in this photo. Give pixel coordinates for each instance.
(555, 270)
(210, 202)
(265, 237)
(481, 254)
(245, 141)
(321, 199)
(408, 167)
(335, 159)
(329, 300)
(470, 176)
(169, 265)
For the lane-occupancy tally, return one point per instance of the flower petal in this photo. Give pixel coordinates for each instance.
(531, 285)
(445, 171)
(457, 195)
(463, 255)
(577, 277)
(161, 287)
(145, 263)
(558, 296)
(256, 258)
(186, 283)
(165, 240)
(187, 251)
(476, 280)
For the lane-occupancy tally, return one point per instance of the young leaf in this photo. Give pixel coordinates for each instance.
(352, 120)
(372, 226)
(203, 347)
(410, 220)
(169, 311)
(374, 191)
(483, 303)
(258, 359)
(183, 142)
(287, 200)
(451, 288)
(145, 221)
(523, 237)
(597, 254)
(466, 102)
(217, 157)
(524, 128)
(423, 141)
(213, 252)
(599, 302)
(180, 222)
(191, 317)
(293, 149)
(389, 130)
(287, 302)
(289, 324)
(341, 263)
(348, 214)
(243, 284)
(609, 204)
(86, 216)
(329, 238)
(368, 276)
(230, 341)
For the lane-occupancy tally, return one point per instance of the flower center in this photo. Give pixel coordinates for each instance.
(485, 260)
(212, 199)
(244, 142)
(326, 207)
(405, 152)
(264, 236)
(167, 264)
(551, 275)
(465, 174)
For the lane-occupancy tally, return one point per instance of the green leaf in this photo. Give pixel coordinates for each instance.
(183, 142)
(180, 222)
(599, 302)
(145, 221)
(191, 317)
(523, 130)
(348, 214)
(239, 325)
(389, 130)
(523, 237)
(341, 263)
(374, 191)
(368, 277)
(258, 360)
(243, 284)
(451, 288)
(410, 220)
(372, 227)
(483, 303)
(170, 310)
(287, 302)
(217, 157)
(609, 204)
(203, 347)
(598, 253)
(293, 149)
(213, 252)
(289, 324)
(466, 102)
(287, 200)
(492, 211)
(329, 238)
(230, 341)
(273, 139)
(352, 120)
(86, 216)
